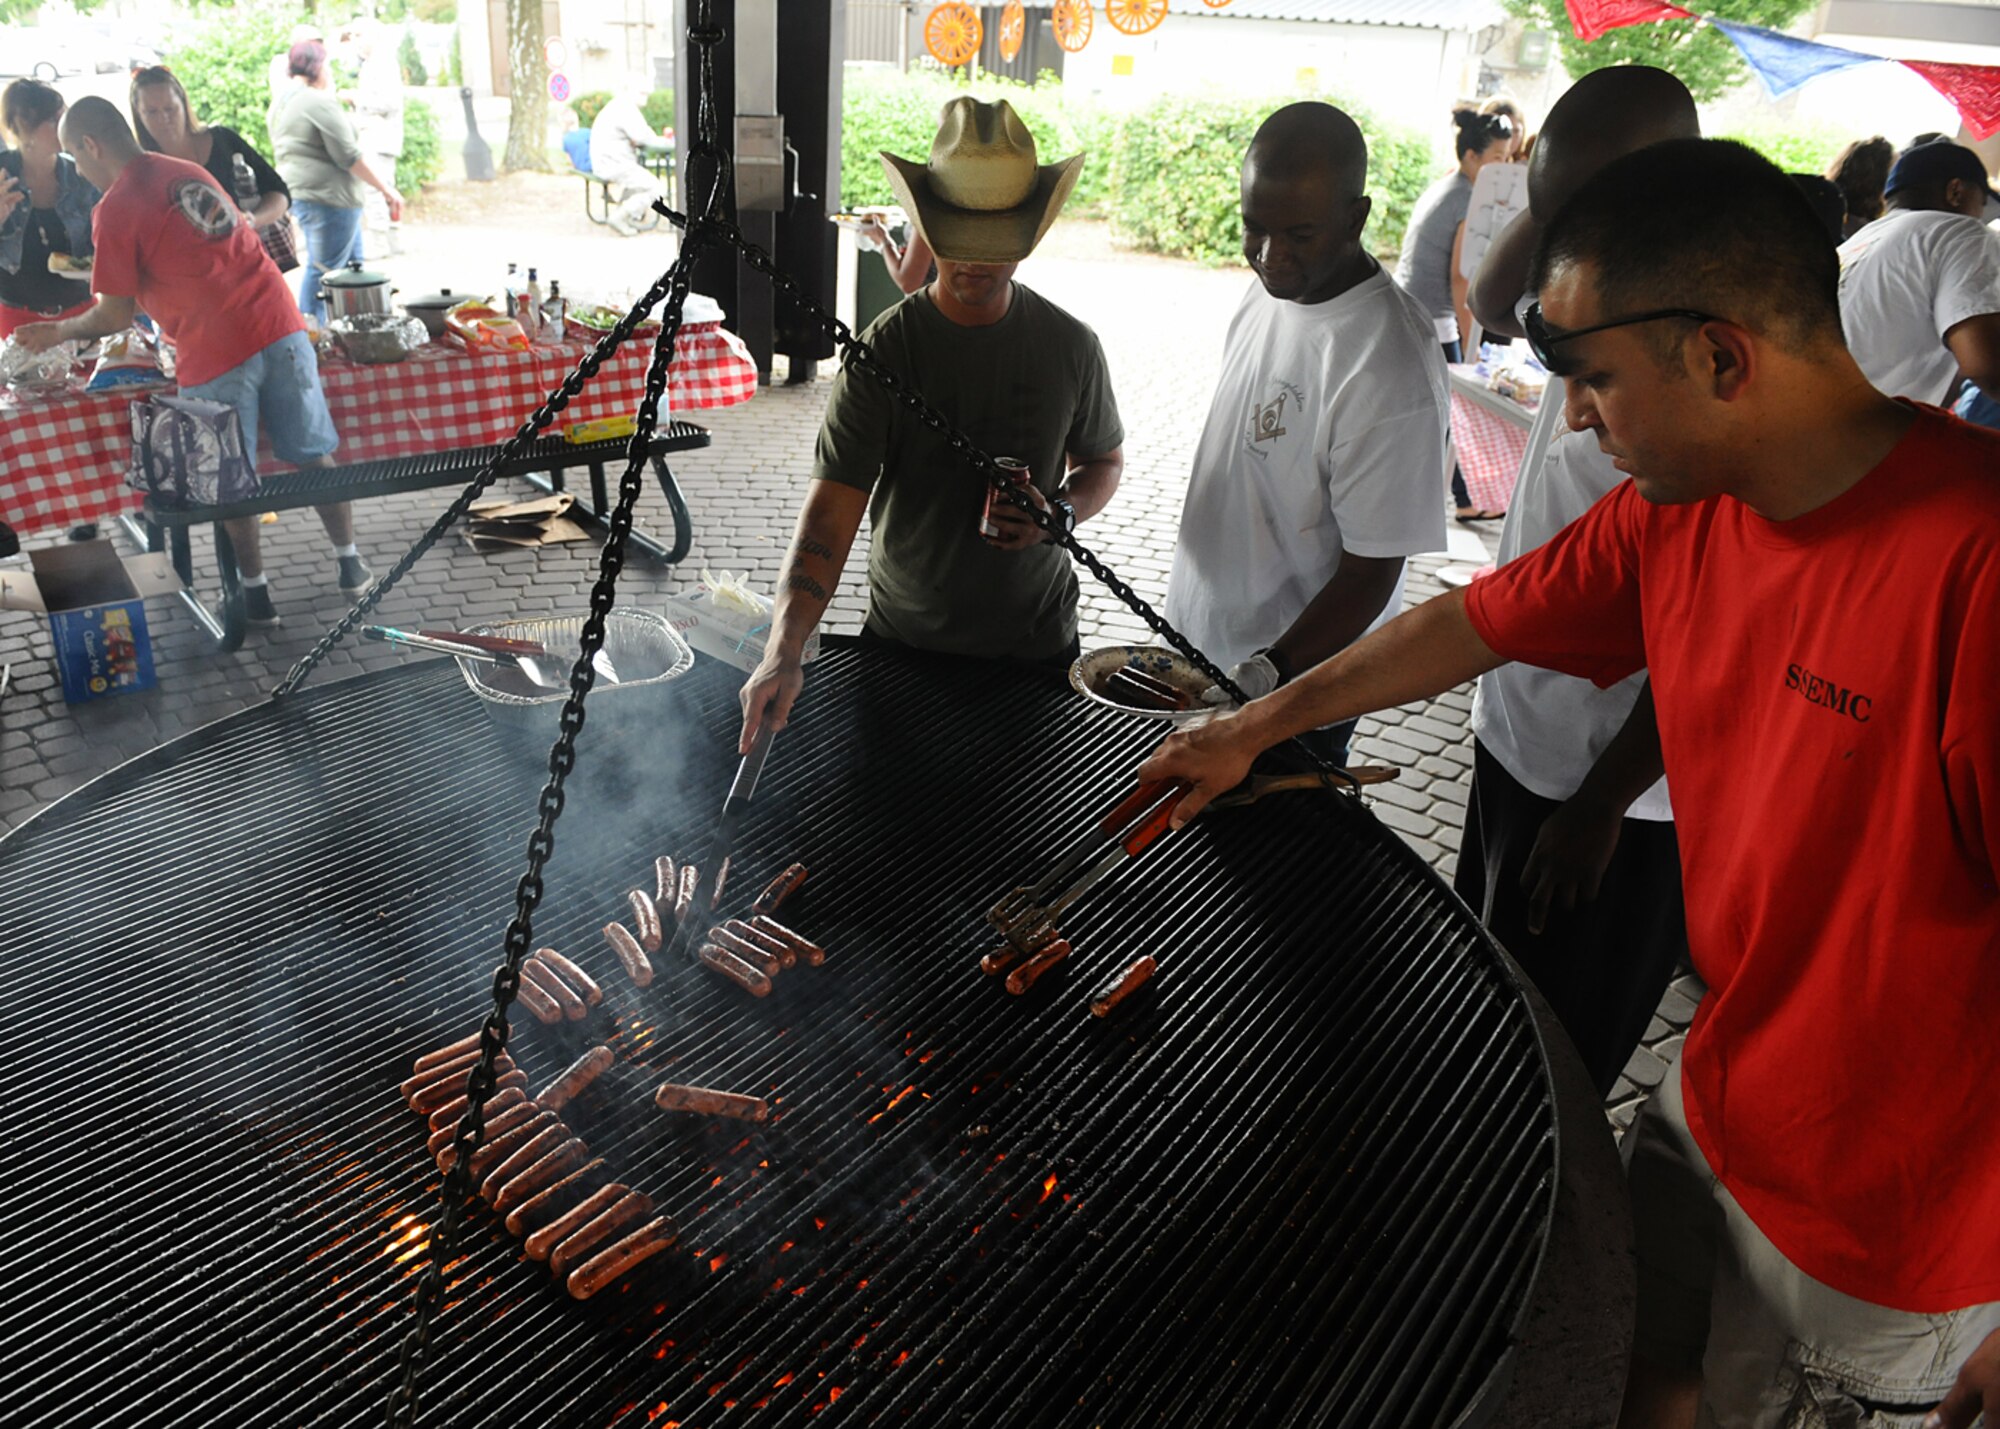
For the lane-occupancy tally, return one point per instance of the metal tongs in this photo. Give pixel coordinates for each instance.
(1027, 916)
(735, 804)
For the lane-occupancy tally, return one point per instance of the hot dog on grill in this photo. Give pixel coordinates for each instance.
(760, 958)
(678, 1096)
(999, 960)
(684, 895)
(779, 889)
(1046, 957)
(575, 1077)
(665, 885)
(499, 1148)
(570, 973)
(552, 1134)
(735, 969)
(601, 1230)
(629, 953)
(785, 953)
(512, 1090)
(812, 953)
(497, 1125)
(544, 1172)
(441, 1090)
(1122, 986)
(447, 1054)
(721, 882)
(645, 919)
(554, 988)
(458, 1066)
(545, 1240)
(544, 1007)
(607, 1266)
(548, 1202)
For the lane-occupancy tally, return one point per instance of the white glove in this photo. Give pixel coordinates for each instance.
(1257, 677)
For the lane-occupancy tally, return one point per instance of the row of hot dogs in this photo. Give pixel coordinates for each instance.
(1022, 968)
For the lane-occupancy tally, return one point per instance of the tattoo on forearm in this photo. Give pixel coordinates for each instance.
(805, 585)
(809, 547)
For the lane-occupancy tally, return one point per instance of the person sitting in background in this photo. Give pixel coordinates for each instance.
(910, 265)
(169, 239)
(164, 122)
(321, 158)
(619, 138)
(1428, 268)
(1920, 286)
(1860, 171)
(45, 208)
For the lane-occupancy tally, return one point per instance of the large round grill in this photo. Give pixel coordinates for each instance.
(1304, 1178)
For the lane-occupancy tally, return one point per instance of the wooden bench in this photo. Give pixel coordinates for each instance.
(165, 527)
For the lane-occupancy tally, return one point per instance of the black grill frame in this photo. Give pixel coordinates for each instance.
(225, 1191)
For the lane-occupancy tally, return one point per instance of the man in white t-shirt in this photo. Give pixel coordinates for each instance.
(1920, 286)
(1579, 879)
(619, 139)
(1317, 471)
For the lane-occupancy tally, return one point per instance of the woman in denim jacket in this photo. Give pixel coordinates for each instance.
(45, 207)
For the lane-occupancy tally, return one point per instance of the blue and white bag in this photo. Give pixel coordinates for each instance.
(189, 452)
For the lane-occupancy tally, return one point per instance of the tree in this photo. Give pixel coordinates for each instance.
(528, 73)
(1699, 55)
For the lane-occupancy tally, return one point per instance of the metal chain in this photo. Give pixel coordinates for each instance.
(405, 1398)
(861, 357)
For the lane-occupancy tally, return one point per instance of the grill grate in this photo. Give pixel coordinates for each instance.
(1308, 1167)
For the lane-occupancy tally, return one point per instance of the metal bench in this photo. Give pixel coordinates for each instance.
(597, 191)
(160, 526)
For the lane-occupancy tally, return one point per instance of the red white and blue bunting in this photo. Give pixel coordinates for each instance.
(1784, 62)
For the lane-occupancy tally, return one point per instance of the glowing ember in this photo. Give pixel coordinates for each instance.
(902, 1359)
(833, 1392)
(783, 1380)
(716, 1262)
(1049, 1186)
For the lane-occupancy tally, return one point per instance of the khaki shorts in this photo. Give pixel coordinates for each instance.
(1776, 1348)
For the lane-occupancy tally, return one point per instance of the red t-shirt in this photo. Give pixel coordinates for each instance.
(168, 236)
(1829, 705)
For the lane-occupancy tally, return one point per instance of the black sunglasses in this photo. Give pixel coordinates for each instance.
(1542, 339)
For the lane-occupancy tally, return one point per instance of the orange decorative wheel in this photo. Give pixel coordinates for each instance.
(1135, 17)
(1013, 29)
(1071, 20)
(1215, 4)
(952, 34)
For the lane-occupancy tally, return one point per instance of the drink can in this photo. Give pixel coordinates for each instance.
(1015, 472)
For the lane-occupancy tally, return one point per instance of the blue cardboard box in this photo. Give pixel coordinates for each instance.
(95, 603)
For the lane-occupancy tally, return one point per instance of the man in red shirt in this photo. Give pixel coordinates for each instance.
(169, 240)
(1811, 572)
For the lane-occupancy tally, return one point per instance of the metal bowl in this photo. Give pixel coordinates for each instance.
(643, 648)
(1087, 676)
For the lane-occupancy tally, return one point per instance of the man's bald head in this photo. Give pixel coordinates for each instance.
(1604, 116)
(1310, 138)
(99, 119)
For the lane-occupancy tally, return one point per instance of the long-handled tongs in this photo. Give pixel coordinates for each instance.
(1028, 915)
(741, 790)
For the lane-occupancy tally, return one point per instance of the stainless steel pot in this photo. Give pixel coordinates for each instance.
(353, 291)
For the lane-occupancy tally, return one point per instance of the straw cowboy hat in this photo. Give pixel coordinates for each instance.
(982, 198)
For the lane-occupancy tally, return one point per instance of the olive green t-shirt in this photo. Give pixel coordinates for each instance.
(1033, 386)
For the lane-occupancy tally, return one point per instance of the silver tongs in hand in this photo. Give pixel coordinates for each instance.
(1027, 916)
(734, 805)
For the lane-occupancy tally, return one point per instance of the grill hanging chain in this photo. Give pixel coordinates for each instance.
(861, 357)
(405, 1399)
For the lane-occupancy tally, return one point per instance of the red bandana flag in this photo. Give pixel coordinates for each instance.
(1591, 18)
(1974, 91)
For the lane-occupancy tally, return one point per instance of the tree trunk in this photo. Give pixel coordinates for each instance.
(528, 123)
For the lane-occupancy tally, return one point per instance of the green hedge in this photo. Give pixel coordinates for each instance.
(658, 108)
(1166, 175)
(224, 64)
(422, 159)
(1799, 149)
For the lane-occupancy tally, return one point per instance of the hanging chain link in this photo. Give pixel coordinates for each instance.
(861, 357)
(405, 1398)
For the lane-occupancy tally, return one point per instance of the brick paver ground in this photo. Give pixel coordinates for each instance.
(1161, 324)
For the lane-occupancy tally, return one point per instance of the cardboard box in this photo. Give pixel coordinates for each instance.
(95, 603)
(726, 634)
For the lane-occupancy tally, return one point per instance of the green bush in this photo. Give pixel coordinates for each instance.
(224, 63)
(422, 159)
(589, 105)
(1166, 175)
(454, 65)
(410, 62)
(1800, 149)
(659, 110)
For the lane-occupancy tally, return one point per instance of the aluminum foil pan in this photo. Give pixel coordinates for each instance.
(642, 647)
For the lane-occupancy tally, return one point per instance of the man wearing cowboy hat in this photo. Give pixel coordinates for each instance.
(1015, 373)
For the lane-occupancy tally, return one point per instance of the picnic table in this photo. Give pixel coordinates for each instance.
(67, 451)
(1489, 436)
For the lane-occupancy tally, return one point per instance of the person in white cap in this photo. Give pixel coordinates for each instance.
(1015, 373)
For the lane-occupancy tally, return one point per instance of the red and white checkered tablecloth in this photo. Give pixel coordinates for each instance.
(1490, 449)
(63, 456)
